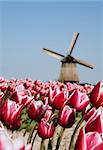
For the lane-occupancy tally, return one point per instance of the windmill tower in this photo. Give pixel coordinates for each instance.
(69, 63)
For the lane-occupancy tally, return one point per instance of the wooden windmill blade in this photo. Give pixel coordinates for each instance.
(84, 63)
(74, 39)
(53, 54)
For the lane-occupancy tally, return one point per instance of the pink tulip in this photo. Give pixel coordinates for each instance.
(18, 98)
(87, 115)
(45, 129)
(78, 100)
(70, 87)
(66, 116)
(6, 143)
(88, 141)
(3, 86)
(36, 110)
(96, 95)
(19, 144)
(95, 122)
(57, 99)
(48, 113)
(10, 112)
(20, 95)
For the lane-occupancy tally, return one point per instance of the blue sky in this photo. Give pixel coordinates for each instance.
(27, 27)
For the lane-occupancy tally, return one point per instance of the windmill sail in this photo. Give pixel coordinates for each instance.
(84, 63)
(53, 54)
(74, 39)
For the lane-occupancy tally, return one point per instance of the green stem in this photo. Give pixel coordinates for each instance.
(25, 132)
(33, 140)
(31, 134)
(42, 146)
(74, 133)
(60, 138)
(50, 144)
(26, 128)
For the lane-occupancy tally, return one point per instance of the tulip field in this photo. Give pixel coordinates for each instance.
(50, 115)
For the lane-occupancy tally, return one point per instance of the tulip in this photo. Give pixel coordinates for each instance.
(88, 141)
(19, 144)
(70, 87)
(45, 129)
(57, 99)
(20, 95)
(6, 143)
(87, 114)
(10, 112)
(66, 116)
(36, 110)
(95, 122)
(48, 113)
(78, 100)
(96, 95)
(3, 84)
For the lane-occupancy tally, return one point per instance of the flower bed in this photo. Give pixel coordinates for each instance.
(50, 115)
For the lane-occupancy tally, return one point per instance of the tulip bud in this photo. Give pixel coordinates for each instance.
(45, 129)
(18, 98)
(88, 141)
(66, 116)
(95, 122)
(96, 95)
(79, 100)
(36, 110)
(58, 99)
(48, 113)
(88, 114)
(20, 95)
(10, 112)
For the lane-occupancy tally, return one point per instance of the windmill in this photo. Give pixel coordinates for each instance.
(69, 63)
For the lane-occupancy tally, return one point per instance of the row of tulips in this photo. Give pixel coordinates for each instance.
(47, 105)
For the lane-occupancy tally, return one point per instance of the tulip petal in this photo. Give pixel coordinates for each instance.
(42, 129)
(14, 117)
(19, 144)
(5, 141)
(8, 109)
(98, 146)
(60, 100)
(95, 123)
(92, 139)
(66, 116)
(81, 140)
